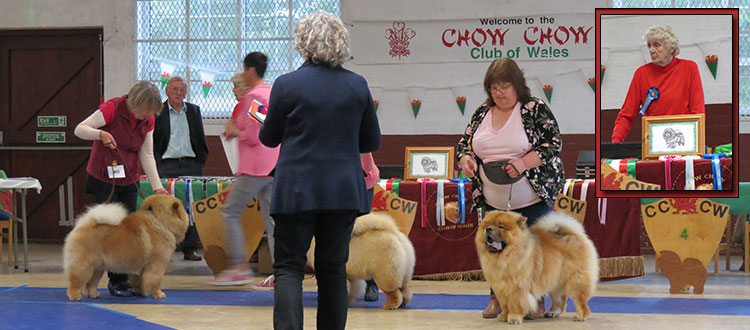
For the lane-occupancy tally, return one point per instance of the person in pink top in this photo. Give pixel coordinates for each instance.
(256, 162)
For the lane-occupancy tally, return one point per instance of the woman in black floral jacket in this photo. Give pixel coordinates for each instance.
(521, 130)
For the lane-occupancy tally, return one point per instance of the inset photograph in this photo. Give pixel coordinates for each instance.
(667, 114)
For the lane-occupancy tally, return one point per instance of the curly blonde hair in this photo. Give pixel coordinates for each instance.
(322, 38)
(664, 34)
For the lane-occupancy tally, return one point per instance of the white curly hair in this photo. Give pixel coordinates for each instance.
(664, 34)
(322, 38)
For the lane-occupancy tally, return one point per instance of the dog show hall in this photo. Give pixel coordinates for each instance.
(351, 164)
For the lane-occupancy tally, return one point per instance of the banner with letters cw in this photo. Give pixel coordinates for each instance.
(535, 37)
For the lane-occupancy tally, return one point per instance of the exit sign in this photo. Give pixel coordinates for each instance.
(50, 137)
(52, 121)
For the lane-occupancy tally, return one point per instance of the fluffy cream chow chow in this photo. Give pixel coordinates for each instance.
(378, 250)
(106, 238)
(553, 257)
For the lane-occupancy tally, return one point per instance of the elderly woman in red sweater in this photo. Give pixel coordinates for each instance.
(678, 81)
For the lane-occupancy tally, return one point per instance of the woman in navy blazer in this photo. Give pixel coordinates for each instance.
(324, 117)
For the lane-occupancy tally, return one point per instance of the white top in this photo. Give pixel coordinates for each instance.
(508, 142)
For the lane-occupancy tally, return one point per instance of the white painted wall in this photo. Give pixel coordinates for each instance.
(624, 35)
(116, 17)
(572, 100)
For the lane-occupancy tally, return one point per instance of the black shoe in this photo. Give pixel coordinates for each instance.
(371, 293)
(191, 255)
(742, 268)
(121, 289)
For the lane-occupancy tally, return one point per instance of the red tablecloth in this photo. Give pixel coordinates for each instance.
(449, 251)
(653, 172)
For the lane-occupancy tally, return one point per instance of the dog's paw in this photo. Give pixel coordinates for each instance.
(390, 306)
(159, 294)
(92, 293)
(503, 316)
(578, 318)
(551, 315)
(515, 321)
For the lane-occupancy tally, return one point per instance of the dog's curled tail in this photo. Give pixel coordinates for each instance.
(566, 227)
(108, 214)
(560, 224)
(372, 222)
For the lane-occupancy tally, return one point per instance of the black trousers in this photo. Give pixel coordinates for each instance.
(174, 168)
(292, 234)
(126, 195)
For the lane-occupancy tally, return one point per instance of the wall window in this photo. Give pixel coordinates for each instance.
(744, 35)
(214, 36)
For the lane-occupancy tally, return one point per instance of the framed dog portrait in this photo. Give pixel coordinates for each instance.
(673, 135)
(428, 162)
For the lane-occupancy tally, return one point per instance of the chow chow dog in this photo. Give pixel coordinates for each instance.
(553, 257)
(378, 250)
(106, 238)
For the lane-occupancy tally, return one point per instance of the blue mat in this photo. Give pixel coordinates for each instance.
(50, 315)
(620, 305)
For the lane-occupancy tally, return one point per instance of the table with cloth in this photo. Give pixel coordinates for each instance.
(448, 252)
(656, 172)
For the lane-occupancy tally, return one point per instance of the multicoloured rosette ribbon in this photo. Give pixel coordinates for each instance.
(423, 198)
(376, 103)
(602, 68)
(461, 198)
(592, 84)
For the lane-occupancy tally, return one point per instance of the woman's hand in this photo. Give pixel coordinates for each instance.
(107, 139)
(161, 191)
(519, 165)
(231, 130)
(468, 165)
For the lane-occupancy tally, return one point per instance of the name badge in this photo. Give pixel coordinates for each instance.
(116, 171)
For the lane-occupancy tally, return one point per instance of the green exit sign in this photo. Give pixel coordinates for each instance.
(50, 137)
(52, 121)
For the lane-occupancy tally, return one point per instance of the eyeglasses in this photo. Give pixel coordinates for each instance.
(177, 89)
(501, 88)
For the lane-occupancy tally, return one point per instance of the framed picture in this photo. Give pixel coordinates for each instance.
(428, 162)
(673, 135)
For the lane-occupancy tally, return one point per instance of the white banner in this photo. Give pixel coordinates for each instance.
(549, 37)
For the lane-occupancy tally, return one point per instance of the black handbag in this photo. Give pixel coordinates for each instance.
(495, 171)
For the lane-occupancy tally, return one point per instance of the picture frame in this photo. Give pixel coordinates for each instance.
(428, 162)
(673, 135)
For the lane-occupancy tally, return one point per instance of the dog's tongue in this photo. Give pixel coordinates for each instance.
(497, 245)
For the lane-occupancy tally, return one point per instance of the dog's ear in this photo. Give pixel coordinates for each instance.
(521, 221)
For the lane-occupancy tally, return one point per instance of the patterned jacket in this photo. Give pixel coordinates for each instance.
(543, 133)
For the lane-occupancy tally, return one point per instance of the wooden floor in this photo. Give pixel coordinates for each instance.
(36, 300)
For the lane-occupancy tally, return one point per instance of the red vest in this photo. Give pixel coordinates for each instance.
(129, 135)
